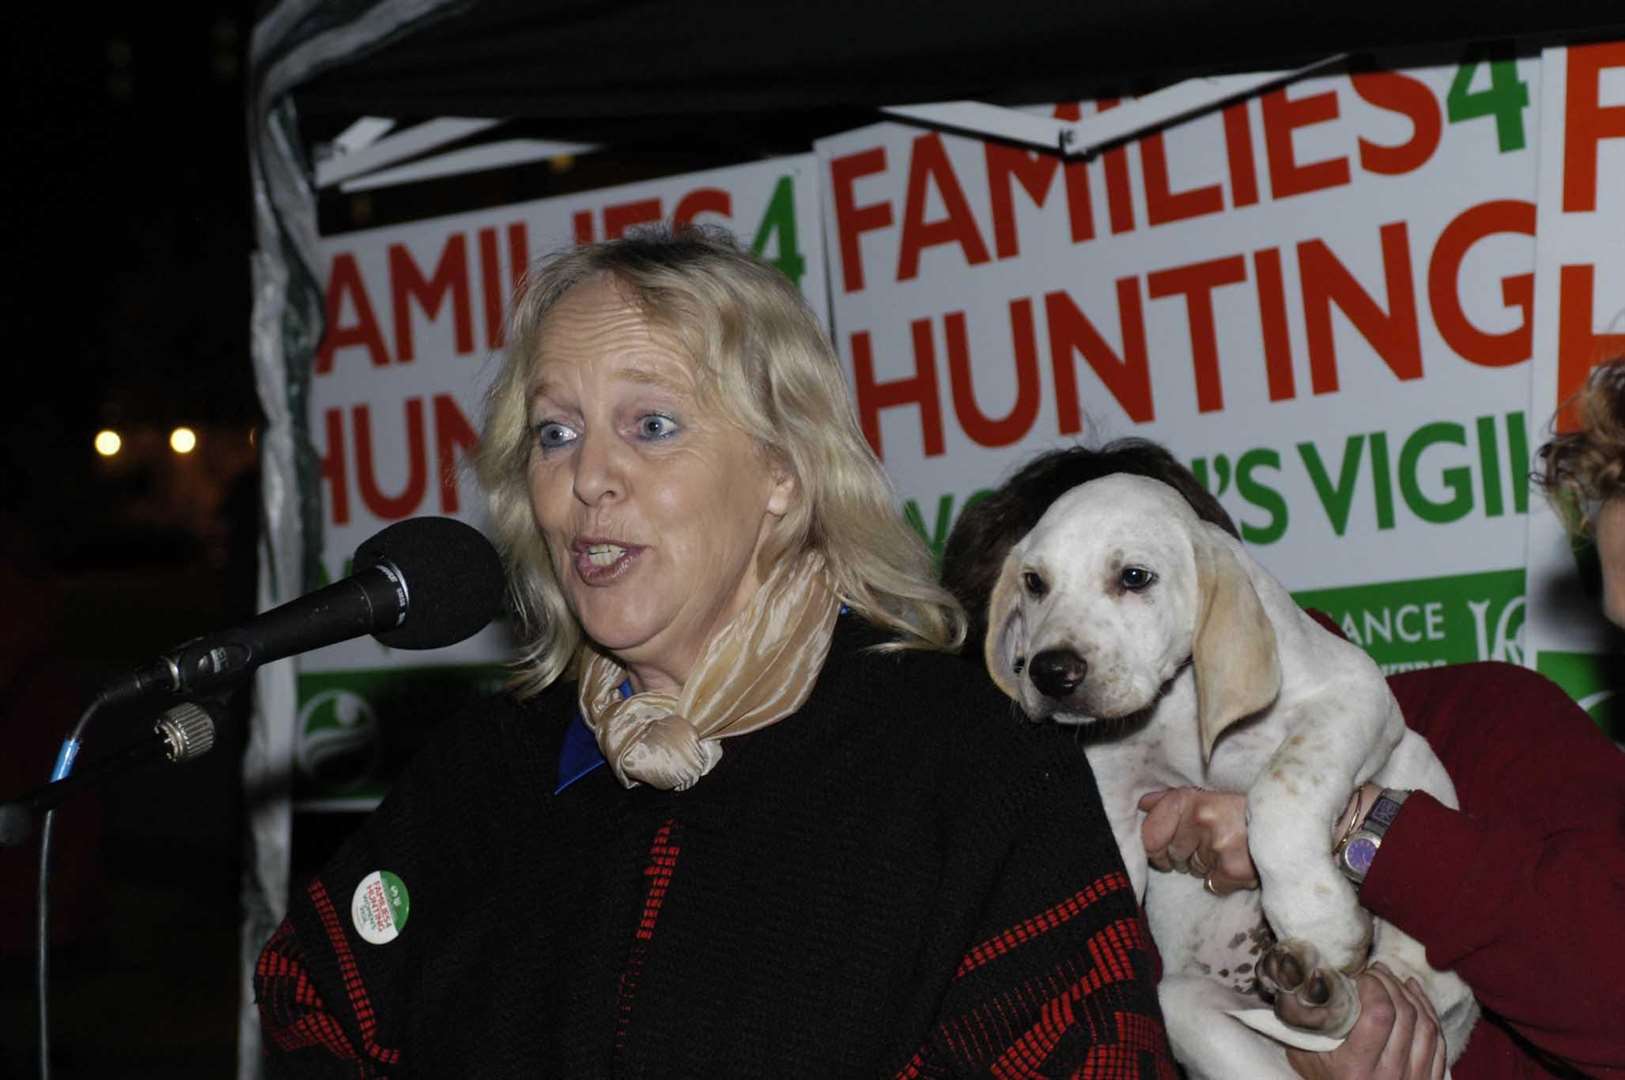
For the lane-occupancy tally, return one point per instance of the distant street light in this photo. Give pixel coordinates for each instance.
(108, 443)
(183, 440)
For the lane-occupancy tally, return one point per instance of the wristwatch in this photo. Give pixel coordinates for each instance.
(1354, 855)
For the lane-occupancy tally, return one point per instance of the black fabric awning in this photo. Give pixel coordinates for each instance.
(580, 60)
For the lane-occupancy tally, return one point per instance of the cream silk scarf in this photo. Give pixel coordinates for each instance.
(756, 671)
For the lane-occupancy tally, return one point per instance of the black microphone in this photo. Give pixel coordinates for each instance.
(423, 583)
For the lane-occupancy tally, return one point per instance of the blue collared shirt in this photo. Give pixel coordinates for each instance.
(580, 756)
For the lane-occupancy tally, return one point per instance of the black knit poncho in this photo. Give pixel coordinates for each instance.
(903, 878)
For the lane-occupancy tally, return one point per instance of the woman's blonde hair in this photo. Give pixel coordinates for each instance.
(761, 356)
(1584, 468)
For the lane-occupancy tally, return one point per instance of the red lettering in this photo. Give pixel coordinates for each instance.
(1412, 99)
(702, 201)
(581, 222)
(1196, 284)
(851, 219)
(1162, 203)
(1586, 122)
(1238, 152)
(1075, 174)
(1272, 324)
(1015, 424)
(1283, 115)
(1079, 209)
(919, 389)
(929, 165)
(406, 284)
(518, 254)
(1127, 376)
(454, 436)
(1579, 347)
(1393, 334)
(390, 507)
(1444, 274)
(618, 219)
(1119, 200)
(1035, 173)
(334, 472)
(491, 288)
(344, 282)
(519, 267)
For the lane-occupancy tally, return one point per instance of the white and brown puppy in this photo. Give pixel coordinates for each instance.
(1189, 664)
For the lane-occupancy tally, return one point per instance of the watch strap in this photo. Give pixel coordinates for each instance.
(1355, 854)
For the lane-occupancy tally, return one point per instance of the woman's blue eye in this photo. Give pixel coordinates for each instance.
(656, 426)
(551, 435)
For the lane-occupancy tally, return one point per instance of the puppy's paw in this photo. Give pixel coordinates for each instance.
(1341, 933)
(1309, 993)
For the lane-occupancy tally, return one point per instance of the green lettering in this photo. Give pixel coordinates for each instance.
(1518, 458)
(1459, 479)
(1505, 100)
(1261, 496)
(780, 219)
(936, 538)
(1490, 463)
(1381, 478)
(1337, 499)
(1199, 470)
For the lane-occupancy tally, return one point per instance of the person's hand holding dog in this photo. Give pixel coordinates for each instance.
(1191, 830)
(1396, 1037)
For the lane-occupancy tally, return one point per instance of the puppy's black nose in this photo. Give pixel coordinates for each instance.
(1057, 672)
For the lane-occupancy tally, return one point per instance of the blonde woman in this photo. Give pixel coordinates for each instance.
(743, 813)
(1583, 472)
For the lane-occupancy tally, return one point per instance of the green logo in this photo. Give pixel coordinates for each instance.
(1427, 622)
(338, 740)
(1595, 681)
(380, 906)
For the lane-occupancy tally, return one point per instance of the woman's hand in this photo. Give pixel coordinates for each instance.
(1396, 1038)
(1196, 831)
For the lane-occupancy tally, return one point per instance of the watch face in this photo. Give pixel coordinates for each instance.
(1358, 854)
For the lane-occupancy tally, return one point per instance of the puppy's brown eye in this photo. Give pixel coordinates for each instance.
(1034, 584)
(1135, 578)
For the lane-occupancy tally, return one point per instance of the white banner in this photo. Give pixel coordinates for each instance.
(1319, 297)
(1579, 321)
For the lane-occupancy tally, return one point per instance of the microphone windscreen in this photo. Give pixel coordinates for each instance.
(454, 580)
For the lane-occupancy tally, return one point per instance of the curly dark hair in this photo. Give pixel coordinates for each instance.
(988, 528)
(1586, 467)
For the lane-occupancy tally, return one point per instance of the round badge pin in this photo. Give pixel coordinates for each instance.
(379, 907)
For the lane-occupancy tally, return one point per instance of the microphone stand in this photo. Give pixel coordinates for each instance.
(185, 731)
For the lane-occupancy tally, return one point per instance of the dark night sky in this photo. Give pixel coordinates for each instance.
(129, 237)
(127, 233)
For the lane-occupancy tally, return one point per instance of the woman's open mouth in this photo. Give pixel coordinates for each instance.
(602, 561)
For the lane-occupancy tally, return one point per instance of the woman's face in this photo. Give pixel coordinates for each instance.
(1610, 532)
(653, 505)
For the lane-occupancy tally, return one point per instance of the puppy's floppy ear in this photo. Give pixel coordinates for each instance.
(1233, 654)
(1006, 630)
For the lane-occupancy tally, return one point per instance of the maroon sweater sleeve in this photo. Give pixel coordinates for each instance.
(1521, 892)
